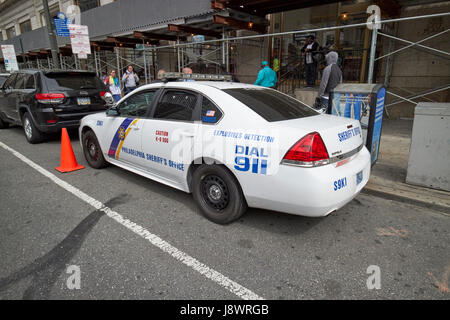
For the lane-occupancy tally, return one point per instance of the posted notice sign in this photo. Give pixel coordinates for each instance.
(9, 55)
(62, 25)
(79, 38)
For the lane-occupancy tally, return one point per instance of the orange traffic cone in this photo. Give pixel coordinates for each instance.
(68, 161)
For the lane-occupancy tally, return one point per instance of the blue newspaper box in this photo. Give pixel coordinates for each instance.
(364, 102)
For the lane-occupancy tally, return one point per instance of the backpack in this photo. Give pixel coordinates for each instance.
(318, 56)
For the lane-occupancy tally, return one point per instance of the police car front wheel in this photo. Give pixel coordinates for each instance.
(92, 151)
(218, 194)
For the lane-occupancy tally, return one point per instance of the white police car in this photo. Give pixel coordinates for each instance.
(232, 145)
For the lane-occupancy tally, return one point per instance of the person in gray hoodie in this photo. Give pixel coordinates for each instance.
(331, 77)
(130, 80)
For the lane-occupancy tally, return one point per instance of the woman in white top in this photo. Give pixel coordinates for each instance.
(114, 85)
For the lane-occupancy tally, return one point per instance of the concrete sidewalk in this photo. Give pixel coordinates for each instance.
(389, 173)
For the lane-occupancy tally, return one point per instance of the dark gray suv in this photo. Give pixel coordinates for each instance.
(47, 101)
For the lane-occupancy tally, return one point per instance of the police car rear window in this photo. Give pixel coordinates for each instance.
(272, 105)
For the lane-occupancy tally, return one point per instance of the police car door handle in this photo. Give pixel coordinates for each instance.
(187, 134)
(136, 128)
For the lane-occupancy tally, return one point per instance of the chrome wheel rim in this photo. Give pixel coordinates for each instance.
(28, 128)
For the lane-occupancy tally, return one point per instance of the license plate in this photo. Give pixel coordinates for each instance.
(359, 177)
(83, 101)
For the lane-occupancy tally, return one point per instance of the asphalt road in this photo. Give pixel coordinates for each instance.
(44, 229)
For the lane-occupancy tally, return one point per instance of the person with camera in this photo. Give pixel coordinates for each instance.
(310, 49)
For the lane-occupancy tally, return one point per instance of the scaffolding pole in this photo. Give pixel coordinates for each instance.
(373, 49)
(414, 44)
(178, 55)
(420, 95)
(145, 63)
(96, 65)
(348, 26)
(118, 63)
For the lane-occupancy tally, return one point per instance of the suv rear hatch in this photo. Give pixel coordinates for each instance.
(83, 91)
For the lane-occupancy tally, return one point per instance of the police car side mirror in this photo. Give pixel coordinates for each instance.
(113, 111)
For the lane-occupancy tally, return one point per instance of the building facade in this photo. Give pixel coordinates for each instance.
(121, 29)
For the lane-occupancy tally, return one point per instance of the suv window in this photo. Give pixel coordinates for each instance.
(73, 81)
(2, 80)
(29, 82)
(176, 105)
(272, 105)
(210, 112)
(19, 81)
(9, 83)
(137, 105)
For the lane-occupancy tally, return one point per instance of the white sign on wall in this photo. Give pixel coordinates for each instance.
(79, 38)
(9, 55)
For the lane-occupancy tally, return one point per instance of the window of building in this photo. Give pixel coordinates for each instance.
(25, 26)
(88, 4)
(11, 32)
(53, 14)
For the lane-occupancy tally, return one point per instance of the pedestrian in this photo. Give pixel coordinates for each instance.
(266, 76)
(159, 76)
(114, 86)
(130, 80)
(310, 49)
(188, 71)
(331, 77)
(276, 63)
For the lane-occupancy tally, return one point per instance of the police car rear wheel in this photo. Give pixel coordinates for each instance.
(92, 151)
(218, 194)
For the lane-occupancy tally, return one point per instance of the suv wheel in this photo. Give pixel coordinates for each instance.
(92, 151)
(32, 134)
(3, 124)
(218, 194)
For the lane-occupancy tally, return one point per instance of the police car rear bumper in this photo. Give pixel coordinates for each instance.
(312, 192)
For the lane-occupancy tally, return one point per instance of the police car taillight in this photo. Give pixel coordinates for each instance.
(50, 98)
(310, 151)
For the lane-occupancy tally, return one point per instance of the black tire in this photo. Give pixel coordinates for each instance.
(218, 194)
(32, 133)
(92, 151)
(3, 124)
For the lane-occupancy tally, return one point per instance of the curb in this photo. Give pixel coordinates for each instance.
(402, 192)
(391, 196)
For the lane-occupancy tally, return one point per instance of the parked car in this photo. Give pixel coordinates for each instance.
(47, 101)
(232, 145)
(3, 77)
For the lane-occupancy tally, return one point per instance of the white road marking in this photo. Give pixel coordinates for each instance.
(191, 262)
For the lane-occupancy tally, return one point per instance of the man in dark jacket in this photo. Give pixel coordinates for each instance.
(331, 77)
(310, 48)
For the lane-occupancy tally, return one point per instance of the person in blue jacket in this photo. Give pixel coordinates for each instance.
(266, 77)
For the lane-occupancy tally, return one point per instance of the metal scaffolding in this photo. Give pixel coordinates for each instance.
(219, 56)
